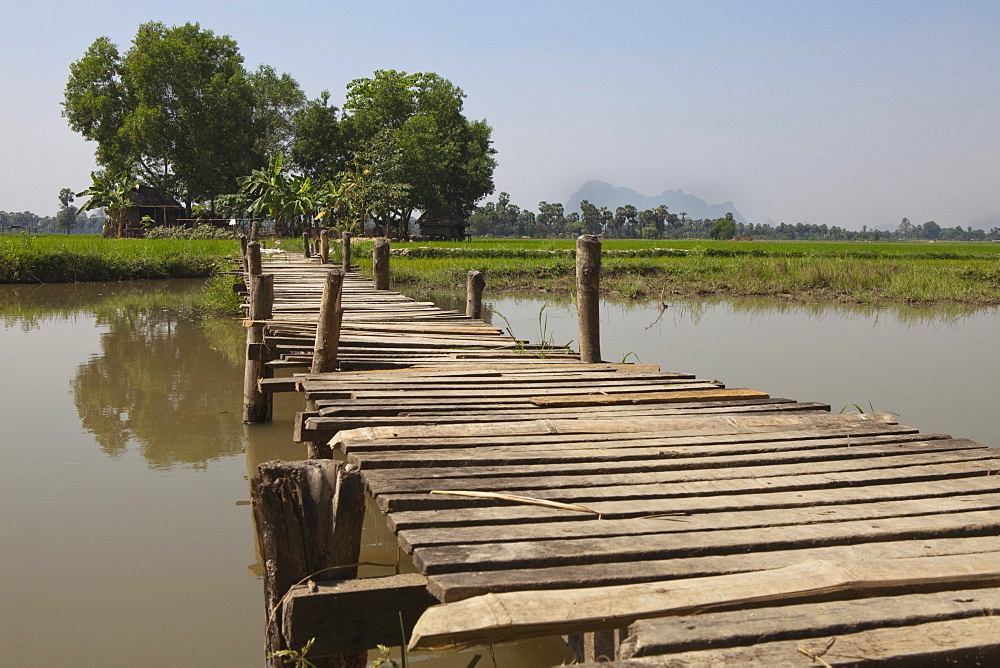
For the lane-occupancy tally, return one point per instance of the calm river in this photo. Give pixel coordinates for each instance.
(125, 534)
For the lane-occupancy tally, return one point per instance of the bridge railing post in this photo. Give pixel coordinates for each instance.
(256, 404)
(345, 239)
(324, 247)
(474, 285)
(380, 264)
(588, 296)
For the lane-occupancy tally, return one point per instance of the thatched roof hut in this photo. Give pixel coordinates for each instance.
(162, 209)
(442, 226)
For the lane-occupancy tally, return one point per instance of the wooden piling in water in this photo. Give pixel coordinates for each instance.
(346, 256)
(380, 264)
(324, 246)
(243, 250)
(309, 516)
(328, 325)
(253, 259)
(474, 285)
(588, 296)
(257, 404)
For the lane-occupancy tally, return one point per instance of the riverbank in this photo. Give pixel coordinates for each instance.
(91, 258)
(861, 273)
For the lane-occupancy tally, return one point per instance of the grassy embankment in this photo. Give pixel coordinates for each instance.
(90, 258)
(864, 273)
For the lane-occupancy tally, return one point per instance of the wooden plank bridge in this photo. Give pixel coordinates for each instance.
(673, 520)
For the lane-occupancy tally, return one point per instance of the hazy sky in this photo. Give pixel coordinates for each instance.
(838, 112)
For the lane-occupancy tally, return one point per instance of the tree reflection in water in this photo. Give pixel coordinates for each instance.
(162, 384)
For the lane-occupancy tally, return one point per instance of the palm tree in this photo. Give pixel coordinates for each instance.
(112, 193)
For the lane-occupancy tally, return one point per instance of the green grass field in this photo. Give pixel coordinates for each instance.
(848, 272)
(860, 272)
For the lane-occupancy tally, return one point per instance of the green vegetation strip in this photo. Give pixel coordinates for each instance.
(79, 258)
(862, 273)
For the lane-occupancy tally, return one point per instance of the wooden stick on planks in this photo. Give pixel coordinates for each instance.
(495, 618)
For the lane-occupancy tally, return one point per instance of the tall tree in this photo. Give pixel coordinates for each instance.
(445, 160)
(318, 148)
(178, 110)
(66, 218)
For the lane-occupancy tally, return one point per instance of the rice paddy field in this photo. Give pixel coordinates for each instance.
(843, 272)
(859, 272)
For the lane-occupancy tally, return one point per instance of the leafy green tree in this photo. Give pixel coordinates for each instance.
(590, 217)
(724, 228)
(931, 230)
(66, 218)
(551, 219)
(409, 129)
(318, 148)
(178, 110)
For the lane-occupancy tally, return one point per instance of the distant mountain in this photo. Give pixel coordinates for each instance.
(602, 193)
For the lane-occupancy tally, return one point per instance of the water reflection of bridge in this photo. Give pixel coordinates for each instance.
(646, 514)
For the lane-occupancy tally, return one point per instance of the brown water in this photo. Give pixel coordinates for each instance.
(126, 537)
(125, 534)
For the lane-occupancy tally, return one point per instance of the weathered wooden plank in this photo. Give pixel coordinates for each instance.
(973, 641)
(718, 496)
(453, 558)
(569, 400)
(776, 456)
(490, 456)
(351, 615)
(594, 528)
(665, 424)
(449, 587)
(913, 466)
(651, 637)
(498, 617)
(816, 426)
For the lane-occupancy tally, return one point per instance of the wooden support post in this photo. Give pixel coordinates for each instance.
(309, 515)
(324, 247)
(243, 250)
(305, 245)
(254, 267)
(254, 231)
(474, 285)
(257, 404)
(328, 326)
(346, 255)
(380, 264)
(588, 296)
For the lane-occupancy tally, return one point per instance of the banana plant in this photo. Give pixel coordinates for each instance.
(113, 193)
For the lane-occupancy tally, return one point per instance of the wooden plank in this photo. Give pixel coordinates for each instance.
(406, 496)
(651, 637)
(776, 456)
(487, 456)
(568, 400)
(666, 524)
(973, 641)
(454, 558)
(716, 424)
(351, 615)
(450, 587)
(499, 617)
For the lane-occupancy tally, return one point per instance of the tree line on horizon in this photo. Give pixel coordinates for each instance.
(504, 219)
(179, 112)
